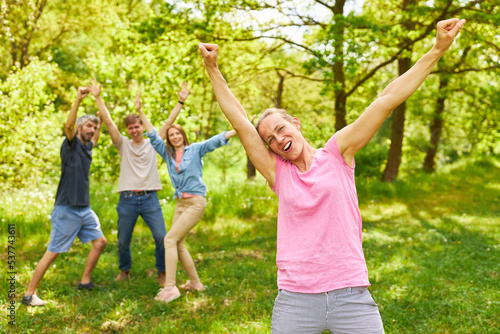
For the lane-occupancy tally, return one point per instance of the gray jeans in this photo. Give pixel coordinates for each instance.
(348, 310)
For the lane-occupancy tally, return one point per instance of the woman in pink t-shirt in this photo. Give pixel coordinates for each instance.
(322, 275)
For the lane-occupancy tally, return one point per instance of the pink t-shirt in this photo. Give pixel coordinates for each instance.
(319, 225)
(178, 160)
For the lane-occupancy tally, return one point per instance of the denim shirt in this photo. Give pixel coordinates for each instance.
(189, 179)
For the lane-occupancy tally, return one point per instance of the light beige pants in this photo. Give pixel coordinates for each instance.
(188, 212)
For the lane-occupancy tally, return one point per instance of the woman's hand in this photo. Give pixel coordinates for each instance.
(138, 104)
(209, 53)
(183, 92)
(446, 32)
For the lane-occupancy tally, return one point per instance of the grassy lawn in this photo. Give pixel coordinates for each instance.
(432, 245)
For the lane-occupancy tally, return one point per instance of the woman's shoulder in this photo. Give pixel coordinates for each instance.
(281, 162)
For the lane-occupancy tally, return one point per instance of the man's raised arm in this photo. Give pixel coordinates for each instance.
(71, 120)
(95, 89)
(95, 137)
(144, 119)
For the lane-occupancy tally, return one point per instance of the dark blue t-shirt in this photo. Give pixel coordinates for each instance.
(73, 186)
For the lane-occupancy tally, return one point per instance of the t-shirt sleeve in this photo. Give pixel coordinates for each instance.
(119, 144)
(332, 147)
(66, 146)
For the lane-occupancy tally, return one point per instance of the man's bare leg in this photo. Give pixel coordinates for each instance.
(40, 270)
(98, 246)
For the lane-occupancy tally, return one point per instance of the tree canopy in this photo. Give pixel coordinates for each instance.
(323, 61)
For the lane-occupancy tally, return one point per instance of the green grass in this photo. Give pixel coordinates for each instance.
(432, 244)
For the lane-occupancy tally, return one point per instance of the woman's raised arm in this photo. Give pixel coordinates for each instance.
(183, 94)
(263, 159)
(356, 135)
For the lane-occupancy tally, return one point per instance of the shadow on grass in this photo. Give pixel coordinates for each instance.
(434, 260)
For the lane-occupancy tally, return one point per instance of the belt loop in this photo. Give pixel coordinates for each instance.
(349, 290)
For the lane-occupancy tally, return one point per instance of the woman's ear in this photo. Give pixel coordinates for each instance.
(296, 123)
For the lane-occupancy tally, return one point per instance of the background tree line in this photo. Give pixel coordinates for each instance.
(323, 61)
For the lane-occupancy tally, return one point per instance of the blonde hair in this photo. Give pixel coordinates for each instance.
(272, 111)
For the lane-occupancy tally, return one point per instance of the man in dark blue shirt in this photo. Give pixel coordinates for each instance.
(72, 216)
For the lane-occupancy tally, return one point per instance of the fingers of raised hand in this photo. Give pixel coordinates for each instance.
(92, 83)
(210, 47)
(206, 49)
(138, 103)
(204, 52)
(458, 26)
(451, 25)
(447, 24)
(184, 88)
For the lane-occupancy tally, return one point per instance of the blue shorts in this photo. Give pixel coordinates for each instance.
(69, 222)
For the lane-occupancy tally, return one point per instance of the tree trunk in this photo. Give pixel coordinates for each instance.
(338, 66)
(340, 109)
(20, 51)
(209, 119)
(250, 170)
(437, 126)
(398, 115)
(279, 93)
(397, 133)
(13, 53)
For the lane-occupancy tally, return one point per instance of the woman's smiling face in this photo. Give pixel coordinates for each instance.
(282, 137)
(175, 138)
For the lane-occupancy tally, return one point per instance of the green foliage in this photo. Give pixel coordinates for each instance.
(370, 159)
(151, 46)
(421, 222)
(30, 130)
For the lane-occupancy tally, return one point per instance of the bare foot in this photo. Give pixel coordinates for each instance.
(123, 275)
(161, 278)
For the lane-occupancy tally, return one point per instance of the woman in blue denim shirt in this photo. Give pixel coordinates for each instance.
(184, 163)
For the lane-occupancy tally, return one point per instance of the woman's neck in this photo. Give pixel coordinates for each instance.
(304, 161)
